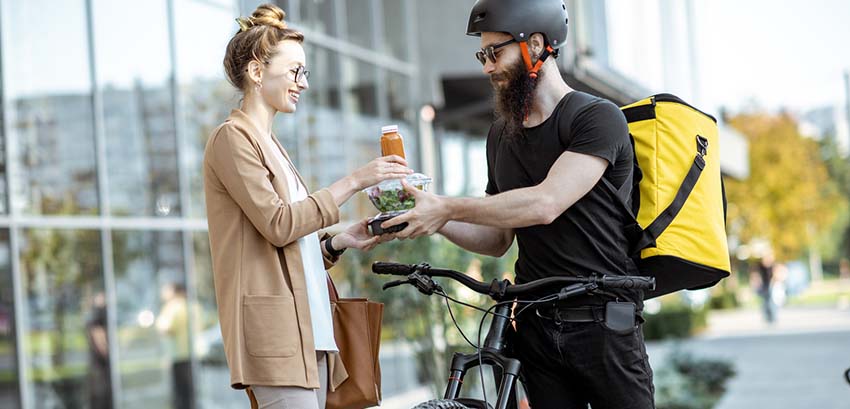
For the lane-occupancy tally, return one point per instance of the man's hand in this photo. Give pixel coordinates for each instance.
(357, 236)
(428, 216)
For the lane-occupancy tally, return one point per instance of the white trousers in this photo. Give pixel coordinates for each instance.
(294, 397)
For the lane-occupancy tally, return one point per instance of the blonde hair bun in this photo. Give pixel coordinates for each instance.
(269, 15)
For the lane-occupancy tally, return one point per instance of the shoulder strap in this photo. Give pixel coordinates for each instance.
(664, 219)
(580, 100)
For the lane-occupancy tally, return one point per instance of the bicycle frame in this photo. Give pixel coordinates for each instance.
(493, 352)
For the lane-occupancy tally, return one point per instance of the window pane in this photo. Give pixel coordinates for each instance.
(324, 77)
(65, 318)
(398, 89)
(153, 320)
(213, 380)
(202, 31)
(360, 22)
(50, 107)
(4, 204)
(8, 350)
(395, 40)
(362, 94)
(318, 15)
(133, 75)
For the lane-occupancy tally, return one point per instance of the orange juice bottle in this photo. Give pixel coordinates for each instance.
(391, 141)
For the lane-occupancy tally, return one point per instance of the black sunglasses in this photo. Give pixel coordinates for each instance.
(490, 52)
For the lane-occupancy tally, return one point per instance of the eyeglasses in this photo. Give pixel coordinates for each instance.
(490, 52)
(300, 73)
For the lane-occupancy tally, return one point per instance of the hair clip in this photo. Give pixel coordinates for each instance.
(244, 23)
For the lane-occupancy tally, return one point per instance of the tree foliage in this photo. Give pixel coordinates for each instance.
(789, 199)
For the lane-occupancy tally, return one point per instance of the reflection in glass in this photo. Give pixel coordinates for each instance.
(153, 316)
(324, 77)
(361, 93)
(317, 15)
(202, 30)
(398, 94)
(360, 24)
(133, 75)
(65, 315)
(8, 350)
(49, 107)
(395, 41)
(213, 377)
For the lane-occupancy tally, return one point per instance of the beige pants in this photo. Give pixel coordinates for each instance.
(293, 397)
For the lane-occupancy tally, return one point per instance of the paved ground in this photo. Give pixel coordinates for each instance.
(796, 363)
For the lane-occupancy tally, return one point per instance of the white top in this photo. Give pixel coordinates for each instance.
(314, 269)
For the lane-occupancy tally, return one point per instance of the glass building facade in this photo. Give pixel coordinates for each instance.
(106, 290)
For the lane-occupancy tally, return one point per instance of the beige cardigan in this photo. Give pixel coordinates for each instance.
(259, 279)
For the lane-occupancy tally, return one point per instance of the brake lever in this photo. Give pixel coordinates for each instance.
(396, 283)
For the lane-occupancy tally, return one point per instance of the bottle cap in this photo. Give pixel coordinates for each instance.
(389, 129)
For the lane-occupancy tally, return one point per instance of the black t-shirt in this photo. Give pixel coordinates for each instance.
(589, 237)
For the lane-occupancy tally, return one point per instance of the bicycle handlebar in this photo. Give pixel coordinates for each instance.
(503, 288)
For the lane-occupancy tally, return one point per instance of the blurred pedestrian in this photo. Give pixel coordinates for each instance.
(100, 391)
(173, 321)
(765, 270)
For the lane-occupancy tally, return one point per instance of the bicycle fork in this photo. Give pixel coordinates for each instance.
(492, 353)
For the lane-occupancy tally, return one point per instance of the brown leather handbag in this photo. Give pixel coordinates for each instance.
(357, 330)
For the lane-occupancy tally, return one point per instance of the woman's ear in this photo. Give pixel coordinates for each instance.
(255, 72)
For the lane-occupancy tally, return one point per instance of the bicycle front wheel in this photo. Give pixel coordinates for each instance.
(441, 404)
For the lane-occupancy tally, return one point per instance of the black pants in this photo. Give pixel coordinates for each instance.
(569, 365)
(183, 392)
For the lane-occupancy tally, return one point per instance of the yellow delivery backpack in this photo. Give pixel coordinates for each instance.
(677, 195)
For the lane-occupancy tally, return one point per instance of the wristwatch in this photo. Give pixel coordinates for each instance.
(329, 247)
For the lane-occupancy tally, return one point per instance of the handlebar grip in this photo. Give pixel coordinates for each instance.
(629, 282)
(396, 269)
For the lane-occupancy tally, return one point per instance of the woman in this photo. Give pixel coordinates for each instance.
(268, 260)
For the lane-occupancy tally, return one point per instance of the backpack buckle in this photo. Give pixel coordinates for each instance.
(702, 145)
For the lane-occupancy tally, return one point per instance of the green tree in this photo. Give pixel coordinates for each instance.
(789, 198)
(838, 167)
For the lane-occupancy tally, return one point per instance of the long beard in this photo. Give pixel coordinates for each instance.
(513, 101)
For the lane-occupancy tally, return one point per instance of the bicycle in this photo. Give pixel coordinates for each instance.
(493, 351)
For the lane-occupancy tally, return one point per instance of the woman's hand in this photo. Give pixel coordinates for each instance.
(357, 236)
(376, 171)
(379, 170)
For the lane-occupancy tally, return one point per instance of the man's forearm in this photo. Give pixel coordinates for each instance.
(512, 209)
(487, 240)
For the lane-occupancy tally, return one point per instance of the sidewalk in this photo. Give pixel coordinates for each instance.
(796, 363)
(738, 323)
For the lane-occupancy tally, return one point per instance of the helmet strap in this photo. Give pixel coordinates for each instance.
(526, 56)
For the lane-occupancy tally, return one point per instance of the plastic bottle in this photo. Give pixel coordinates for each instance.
(391, 141)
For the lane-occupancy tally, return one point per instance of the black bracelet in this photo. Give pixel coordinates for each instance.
(333, 252)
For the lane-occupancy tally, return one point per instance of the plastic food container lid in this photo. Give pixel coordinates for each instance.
(414, 179)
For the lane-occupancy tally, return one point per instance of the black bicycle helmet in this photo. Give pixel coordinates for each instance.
(521, 19)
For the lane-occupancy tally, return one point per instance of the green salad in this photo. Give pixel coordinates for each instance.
(390, 196)
(391, 200)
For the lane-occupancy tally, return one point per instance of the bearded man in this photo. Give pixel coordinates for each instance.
(557, 160)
